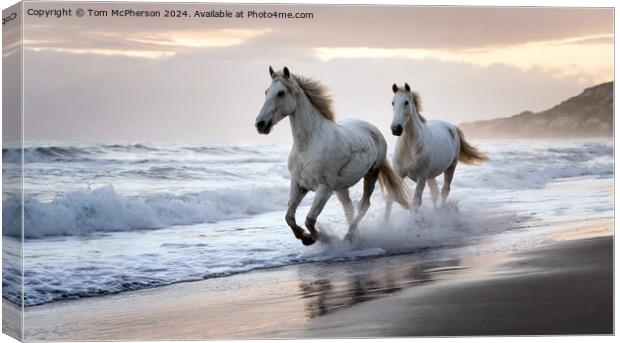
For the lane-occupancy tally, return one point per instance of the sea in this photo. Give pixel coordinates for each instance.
(107, 218)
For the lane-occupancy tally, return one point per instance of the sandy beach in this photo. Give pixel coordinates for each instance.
(564, 288)
(561, 287)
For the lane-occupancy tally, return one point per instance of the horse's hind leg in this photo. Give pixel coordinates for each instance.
(447, 180)
(347, 205)
(432, 185)
(320, 199)
(369, 186)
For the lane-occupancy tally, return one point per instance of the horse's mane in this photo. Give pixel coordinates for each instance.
(417, 102)
(316, 93)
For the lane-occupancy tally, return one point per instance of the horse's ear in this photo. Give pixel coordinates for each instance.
(287, 74)
(395, 88)
(272, 73)
(407, 88)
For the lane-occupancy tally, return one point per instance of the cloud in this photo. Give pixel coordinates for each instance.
(419, 27)
(149, 54)
(150, 45)
(197, 39)
(590, 56)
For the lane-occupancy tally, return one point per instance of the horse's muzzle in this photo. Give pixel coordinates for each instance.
(263, 127)
(397, 130)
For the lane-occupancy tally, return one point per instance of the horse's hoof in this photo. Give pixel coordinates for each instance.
(307, 239)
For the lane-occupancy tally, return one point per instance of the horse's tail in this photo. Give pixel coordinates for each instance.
(469, 154)
(394, 186)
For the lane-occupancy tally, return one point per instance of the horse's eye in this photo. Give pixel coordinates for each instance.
(280, 94)
(392, 103)
(265, 92)
(406, 103)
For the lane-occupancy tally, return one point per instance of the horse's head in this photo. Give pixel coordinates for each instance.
(280, 101)
(403, 106)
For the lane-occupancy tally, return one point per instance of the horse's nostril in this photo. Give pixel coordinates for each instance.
(260, 124)
(397, 130)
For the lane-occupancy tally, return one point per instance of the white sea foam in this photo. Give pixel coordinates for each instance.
(126, 261)
(104, 210)
(519, 166)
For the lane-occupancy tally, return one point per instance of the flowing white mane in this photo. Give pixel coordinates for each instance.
(316, 93)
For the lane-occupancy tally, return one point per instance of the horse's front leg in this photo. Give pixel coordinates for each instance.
(432, 185)
(322, 195)
(297, 194)
(419, 189)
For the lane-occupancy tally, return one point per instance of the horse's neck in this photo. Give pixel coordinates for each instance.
(307, 122)
(415, 130)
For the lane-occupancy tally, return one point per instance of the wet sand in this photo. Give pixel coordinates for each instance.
(560, 288)
(564, 288)
(263, 303)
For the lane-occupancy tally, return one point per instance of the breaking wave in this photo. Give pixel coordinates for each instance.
(104, 210)
(86, 153)
(519, 168)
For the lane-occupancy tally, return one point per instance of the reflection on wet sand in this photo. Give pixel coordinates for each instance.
(325, 293)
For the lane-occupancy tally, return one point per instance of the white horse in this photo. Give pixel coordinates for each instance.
(326, 156)
(426, 149)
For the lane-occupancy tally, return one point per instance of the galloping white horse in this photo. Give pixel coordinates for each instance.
(326, 156)
(426, 149)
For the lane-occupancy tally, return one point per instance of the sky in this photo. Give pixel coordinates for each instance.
(203, 79)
